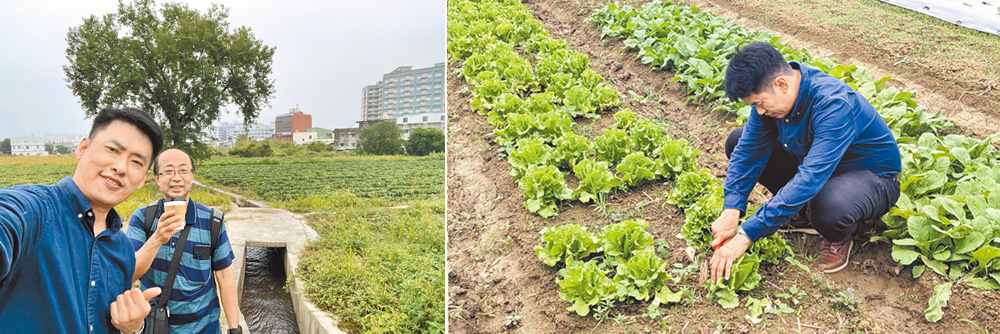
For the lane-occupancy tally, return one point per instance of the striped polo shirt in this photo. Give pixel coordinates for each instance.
(194, 303)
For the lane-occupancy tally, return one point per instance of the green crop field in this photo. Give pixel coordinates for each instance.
(401, 178)
(35, 170)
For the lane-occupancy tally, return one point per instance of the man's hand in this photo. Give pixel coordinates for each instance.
(724, 227)
(167, 227)
(722, 260)
(129, 311)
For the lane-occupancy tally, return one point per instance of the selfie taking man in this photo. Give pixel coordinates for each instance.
(64, 266)
(193, 304)
(814, 142)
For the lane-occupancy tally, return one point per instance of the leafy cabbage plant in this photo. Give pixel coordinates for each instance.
(641, 276)
(743, 277)
(544, 187)
(621, 240)
(584, 285)
(566, 243)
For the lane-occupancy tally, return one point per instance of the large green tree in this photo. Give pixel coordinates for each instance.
(424, 141)
(382, 138)
(5, 146)
(181, 65)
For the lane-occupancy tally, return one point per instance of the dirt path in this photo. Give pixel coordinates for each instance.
(494, 275)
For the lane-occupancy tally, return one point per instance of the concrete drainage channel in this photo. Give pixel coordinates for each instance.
(267, 241)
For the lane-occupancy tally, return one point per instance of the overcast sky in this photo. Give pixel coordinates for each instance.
(327, 51)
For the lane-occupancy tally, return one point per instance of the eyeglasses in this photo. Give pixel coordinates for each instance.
(171, 172)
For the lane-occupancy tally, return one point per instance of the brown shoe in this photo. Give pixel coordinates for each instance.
(835, 254)
(798, 224)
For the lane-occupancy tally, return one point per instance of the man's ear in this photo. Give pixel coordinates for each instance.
(781, 84)
(82, 147)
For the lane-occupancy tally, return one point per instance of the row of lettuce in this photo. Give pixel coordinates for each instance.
(533, 110)
(948, 214)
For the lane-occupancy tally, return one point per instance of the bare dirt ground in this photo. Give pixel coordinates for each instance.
(496, 284)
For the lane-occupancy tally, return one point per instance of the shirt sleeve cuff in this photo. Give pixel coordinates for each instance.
(753, 229)
(735, 201)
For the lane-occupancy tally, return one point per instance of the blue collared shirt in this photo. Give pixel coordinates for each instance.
(55, 276)
(831, 129)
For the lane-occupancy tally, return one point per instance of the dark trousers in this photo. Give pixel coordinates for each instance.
(845, 201)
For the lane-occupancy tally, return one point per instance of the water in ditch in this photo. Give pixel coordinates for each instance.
(266, 305)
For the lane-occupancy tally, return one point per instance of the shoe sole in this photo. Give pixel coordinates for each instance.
(806, 230)
(850, 247)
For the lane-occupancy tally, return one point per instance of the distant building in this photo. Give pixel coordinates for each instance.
(64, 138)
(371, 105)
(294, 121)
(29, 145)
(428, 120)
(406, 92)
(324, 135)
(300, 138)
(226, 133)
(345, 138)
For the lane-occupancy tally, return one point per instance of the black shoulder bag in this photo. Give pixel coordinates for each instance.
(156, 320)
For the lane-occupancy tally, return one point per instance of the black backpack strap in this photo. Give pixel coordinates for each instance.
(216, 228)
(151, 210)
(175, 264)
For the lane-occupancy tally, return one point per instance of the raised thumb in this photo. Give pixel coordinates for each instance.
(150, 293)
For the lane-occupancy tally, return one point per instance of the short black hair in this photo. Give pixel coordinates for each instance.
(137, 117)
(752, 70)
(156, 162)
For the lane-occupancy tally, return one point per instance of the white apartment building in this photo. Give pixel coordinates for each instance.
(29, 145)
(228, 132)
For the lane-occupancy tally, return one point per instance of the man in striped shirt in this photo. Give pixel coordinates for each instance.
(194, 303)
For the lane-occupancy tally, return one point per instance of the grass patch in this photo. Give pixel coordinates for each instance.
(380, 270)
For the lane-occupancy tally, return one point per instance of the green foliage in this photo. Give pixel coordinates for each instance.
(247, 149)
(691, 186)
(566, 244)
(698, 218)
(648, 137)
(5, 146)
(381, 270)
(619, 241)
(939, 299)
(771, 249)
(530, 151)
(289, 179)
(642, 275)
(743, 277)
(674, 157)
(424, 141)
(584, 285)
(181, 65)
(612, 146)
(63, 149)
(382, 138)
(544, 187)
(571, 148)
(636, 168)
(595, 179)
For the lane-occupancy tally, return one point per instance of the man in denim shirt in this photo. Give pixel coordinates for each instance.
(814, 142)
(64, 264)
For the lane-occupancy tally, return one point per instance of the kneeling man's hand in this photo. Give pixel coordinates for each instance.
(723, 258)
(129, 311)
(724, 227)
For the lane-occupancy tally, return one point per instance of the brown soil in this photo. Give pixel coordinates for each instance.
(494, 274)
